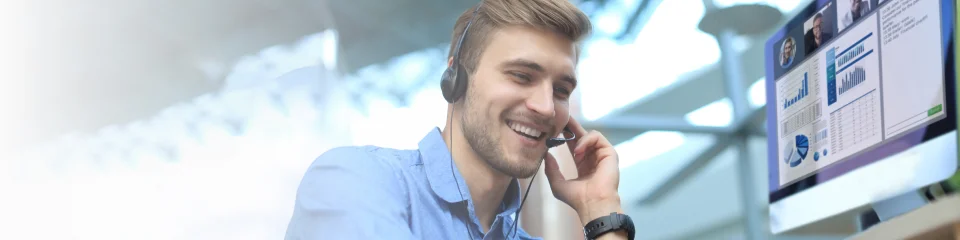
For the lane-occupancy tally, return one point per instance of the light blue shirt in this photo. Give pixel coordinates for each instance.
(379, 193)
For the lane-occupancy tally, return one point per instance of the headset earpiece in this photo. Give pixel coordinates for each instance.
(447, 84)
(453, 83)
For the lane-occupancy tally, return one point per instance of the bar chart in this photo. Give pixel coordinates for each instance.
(820, 137)
(802, 92)
(850, 55)
(852, 79)
(847, 69)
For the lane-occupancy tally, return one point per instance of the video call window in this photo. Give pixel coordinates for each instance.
(851, 11)
(788, 50)
(817, 30)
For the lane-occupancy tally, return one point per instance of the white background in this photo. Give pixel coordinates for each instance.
(912, 66)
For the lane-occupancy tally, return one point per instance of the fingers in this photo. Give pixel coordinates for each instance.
(578, 130)
(593, 146)
(593, 140)
(554, 176)
(575, 127)
(587, 143)
(558, 184)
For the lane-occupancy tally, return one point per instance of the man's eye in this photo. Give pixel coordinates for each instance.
(521, 76)
(561, 91)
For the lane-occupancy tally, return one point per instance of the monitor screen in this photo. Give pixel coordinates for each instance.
(851, 82)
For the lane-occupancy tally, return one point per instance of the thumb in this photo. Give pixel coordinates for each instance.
(554, 176)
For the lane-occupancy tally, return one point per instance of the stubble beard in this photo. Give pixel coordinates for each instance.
(483, 137)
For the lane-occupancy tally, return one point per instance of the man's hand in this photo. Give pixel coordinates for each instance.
(593, 193)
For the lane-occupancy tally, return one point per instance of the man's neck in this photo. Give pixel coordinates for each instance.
(487, 186)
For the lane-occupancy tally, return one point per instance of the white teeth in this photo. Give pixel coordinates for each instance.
(525, 130)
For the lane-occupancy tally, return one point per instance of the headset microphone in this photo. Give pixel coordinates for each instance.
(553, 142)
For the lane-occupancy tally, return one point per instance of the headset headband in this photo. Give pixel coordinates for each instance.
(456, 52)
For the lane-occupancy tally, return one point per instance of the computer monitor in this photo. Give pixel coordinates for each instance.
(861, 106)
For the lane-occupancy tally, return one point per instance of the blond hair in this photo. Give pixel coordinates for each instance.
(558, 16)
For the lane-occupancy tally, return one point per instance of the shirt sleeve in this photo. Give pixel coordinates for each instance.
(350, 193)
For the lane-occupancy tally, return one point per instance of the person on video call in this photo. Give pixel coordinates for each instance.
(786, 57)
(816, 35)
(519, 60)
(858, 9)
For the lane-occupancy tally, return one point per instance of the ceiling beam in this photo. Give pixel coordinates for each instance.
(700, 88)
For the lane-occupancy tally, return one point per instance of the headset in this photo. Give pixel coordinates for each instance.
(453, 85)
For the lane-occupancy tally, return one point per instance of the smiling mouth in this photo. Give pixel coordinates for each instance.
(525, 131)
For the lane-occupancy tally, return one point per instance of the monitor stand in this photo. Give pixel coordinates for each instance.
(885, 210)
(896, 206)
(911, 216)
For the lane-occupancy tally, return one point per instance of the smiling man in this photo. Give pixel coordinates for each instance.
(817, 35)
(512, 71)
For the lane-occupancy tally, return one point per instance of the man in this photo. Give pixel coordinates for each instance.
(519, 59)
(858, 9)
(786, 57)
(816, 36)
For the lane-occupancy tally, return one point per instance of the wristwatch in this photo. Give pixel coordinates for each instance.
(610, 223)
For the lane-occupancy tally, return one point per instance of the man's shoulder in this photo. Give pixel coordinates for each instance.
(371, 158)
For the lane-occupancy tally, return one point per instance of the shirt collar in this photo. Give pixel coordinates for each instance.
(444, 180)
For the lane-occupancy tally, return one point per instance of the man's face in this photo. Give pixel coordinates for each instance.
(518, 97)
(816, 27)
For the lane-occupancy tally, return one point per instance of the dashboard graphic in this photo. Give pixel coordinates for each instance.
(854, 52)
(831, 77)
(855, 123)
(795, 152)
(820, 137)
(831, 101)
(868, 110)
(803, 91)
(846, 59)
(853, 78)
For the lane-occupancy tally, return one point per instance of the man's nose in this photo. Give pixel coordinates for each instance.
(541, 101)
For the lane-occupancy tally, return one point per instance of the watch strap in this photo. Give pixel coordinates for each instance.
(609, 223)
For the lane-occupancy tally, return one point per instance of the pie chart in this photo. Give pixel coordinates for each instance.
(796, 150)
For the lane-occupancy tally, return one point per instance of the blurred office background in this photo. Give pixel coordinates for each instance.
(185, 119)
